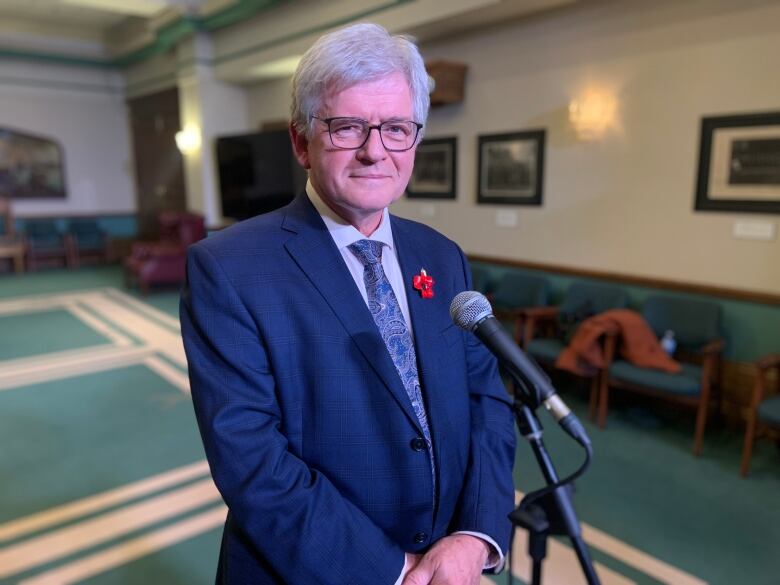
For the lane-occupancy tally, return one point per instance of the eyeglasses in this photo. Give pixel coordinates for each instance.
(352, 133)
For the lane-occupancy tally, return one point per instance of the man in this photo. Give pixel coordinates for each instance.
(356, 434)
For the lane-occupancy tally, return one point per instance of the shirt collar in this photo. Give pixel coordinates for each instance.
(342, 232)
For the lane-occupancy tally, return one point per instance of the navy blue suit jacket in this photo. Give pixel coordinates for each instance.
(307, 427)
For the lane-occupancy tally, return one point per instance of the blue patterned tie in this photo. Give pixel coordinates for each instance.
(386, 311)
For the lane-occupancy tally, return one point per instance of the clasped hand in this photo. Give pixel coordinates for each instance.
(457, 559)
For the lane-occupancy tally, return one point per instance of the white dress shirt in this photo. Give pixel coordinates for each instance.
(344, 234)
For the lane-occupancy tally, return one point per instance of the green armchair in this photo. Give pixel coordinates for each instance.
(547, 330)
(764, 410)
(696, 326)
(514, 294)
(86, 240)
(44, 243)
(480, 279)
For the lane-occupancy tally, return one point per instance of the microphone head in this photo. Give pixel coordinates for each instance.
(469, 308)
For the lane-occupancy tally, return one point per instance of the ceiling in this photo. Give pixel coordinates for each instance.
(50, 22)
(94, 14)
(123, 32)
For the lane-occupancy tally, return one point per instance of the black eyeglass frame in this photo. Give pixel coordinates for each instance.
(377, 127)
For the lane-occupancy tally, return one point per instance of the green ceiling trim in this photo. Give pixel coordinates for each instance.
(165, 39)
(54, 58)
(168, 36)
(65, 85)
(237, 12)
(271, 43)
(306, 32)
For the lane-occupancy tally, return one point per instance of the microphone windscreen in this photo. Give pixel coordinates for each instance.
(469, 308)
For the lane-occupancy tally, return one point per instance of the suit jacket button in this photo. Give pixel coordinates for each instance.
(420, 537)
(418, 444)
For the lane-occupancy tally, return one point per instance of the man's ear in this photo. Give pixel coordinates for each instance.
(300, 146)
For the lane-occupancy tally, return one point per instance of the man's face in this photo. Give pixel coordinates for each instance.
(359, 184)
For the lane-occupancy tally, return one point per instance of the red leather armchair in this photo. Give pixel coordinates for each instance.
(163, 262)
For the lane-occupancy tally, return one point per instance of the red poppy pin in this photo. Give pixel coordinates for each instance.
(424, 283)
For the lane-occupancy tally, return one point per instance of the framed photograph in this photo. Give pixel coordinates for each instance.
(511, 168)
(739, 163)
(434, 174)
(31, 167)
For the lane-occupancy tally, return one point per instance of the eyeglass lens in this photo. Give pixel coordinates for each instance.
(353, 133)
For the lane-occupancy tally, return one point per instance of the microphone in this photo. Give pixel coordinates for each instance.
(470, 310)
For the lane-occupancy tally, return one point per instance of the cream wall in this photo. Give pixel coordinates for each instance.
(84, 110)
(623, 203)
(269, 102)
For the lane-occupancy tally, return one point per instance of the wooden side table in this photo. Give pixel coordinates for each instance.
(13, 248)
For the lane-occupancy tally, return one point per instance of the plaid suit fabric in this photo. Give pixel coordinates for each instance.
(304, 419)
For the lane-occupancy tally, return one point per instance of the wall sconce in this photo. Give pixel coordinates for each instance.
(593, 114)
(188, 140)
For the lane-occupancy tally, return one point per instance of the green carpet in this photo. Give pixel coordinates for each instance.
(61, 280)
(71, 438)
(29, 334)
(68, 439)
(191, 563)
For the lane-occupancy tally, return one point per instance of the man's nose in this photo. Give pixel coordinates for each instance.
(373, 149)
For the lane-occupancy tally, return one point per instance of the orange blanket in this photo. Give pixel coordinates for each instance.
(639, 345)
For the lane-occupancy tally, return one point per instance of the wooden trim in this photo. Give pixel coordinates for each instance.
(688, 287)
(93, 215)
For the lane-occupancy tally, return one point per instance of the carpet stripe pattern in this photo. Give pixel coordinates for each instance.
(104, 479)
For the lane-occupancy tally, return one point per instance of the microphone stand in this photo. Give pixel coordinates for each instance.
(551, 514)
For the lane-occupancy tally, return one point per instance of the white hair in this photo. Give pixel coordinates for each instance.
(352, 55)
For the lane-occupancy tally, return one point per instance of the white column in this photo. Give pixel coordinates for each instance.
(214, 108)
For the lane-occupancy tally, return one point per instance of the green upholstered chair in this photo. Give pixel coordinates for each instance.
(85, 239)
(480, 279)
(514, 293)
(696, 326)
(547, 330)
(764, 412)
(43, 241)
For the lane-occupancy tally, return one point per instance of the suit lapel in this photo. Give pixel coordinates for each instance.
(316, 254)
(428, 318)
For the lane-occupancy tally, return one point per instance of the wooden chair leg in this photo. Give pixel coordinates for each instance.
(747, 449)
(19, 263)
(752, 420)
(701, 423)
(603, 400)
(593, 400)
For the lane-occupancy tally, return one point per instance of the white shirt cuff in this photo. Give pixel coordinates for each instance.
(404, 571)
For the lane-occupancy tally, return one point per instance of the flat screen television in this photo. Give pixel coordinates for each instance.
(257, 173)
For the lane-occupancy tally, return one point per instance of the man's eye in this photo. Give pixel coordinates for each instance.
(347, 128)
(396, 129)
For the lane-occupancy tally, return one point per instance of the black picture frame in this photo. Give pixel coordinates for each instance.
(739, 163)
(435, 169)
(511, 167)
(33, 166)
